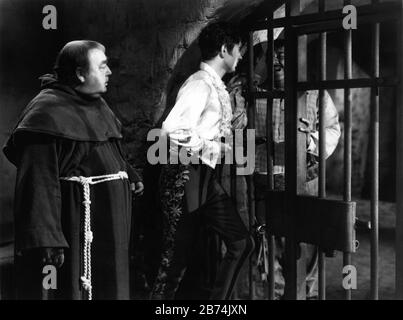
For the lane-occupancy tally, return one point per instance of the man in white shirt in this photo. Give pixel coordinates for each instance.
(190, 193)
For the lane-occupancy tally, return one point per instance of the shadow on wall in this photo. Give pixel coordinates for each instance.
(232, 11)
(185, 67)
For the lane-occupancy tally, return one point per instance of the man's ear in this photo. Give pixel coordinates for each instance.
(80, 74)
(223, 50)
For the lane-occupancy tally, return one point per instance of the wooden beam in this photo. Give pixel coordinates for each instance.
(323, 222)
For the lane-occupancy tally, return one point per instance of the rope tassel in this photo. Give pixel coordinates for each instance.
(88, 234)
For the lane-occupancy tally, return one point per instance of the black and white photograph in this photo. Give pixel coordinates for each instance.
(217, 151)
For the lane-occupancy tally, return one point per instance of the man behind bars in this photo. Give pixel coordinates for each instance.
(73, 186)
(190, 194)
(310, 127)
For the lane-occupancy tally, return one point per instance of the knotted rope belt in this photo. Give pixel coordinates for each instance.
(88, 235)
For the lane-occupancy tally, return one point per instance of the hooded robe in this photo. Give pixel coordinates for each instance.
(62, 133)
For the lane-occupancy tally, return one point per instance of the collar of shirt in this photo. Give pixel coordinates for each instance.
(205, 67)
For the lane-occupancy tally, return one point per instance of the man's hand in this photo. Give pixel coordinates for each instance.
(306, 129)
(137, 188)
(54, 256)
(236, 82)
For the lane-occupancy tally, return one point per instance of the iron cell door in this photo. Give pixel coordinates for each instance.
(329, 224)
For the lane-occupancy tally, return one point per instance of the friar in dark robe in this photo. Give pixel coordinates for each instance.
(73, 191)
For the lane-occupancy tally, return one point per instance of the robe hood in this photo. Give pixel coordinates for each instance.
(60, 111)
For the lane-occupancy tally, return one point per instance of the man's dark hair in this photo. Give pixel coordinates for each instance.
(72, 56)
(215, 35)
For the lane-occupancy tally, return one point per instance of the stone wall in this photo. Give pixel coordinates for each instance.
(150, 44)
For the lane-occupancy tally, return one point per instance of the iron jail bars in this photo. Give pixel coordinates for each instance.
(334, 220)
